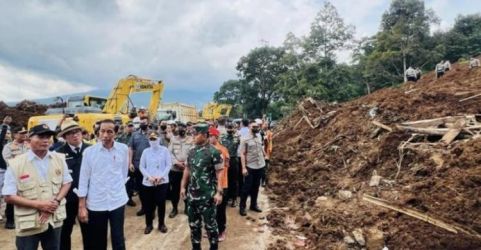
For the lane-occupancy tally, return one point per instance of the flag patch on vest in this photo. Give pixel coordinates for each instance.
(24, 177)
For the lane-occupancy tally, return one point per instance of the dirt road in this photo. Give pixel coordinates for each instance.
(242, 232)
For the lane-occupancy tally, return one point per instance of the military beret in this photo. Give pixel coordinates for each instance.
(202, 128)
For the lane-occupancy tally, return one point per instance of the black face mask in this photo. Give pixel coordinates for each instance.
(143, 126)
(163, 127)
(230, 132)
(181, 132)
(255, 130)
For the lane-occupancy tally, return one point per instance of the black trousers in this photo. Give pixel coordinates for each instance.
(9, 213)
(130, 185)
(240, 177)
(251, 186)
(50, 240)
(412, 79)
(439, 74)
(138, 185)
(98, 224)
(68, 223)
(175, 179)
(264, 176)
(233, 177)
(221, 213)
(155, 197)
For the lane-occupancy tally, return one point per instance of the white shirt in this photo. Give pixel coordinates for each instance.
(103, 175)
(41, 164)
(155, 162)
(73, 147)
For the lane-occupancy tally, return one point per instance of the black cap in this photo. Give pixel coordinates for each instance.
(130, 124)
(41, 129)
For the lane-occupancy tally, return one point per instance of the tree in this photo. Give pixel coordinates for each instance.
(261, 70)
(328, 34)
(404, 39)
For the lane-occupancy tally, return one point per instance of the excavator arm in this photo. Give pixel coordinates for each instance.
(117, 102)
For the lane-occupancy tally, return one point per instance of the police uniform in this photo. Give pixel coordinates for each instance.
(203, 162)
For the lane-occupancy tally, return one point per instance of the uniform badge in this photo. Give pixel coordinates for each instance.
(24, 178)
(45, 126)
(58, 172)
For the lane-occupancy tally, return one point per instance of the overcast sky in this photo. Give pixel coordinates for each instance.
(49, 47)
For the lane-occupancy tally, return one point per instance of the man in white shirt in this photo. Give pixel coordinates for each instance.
(102, 194)
(155, 164)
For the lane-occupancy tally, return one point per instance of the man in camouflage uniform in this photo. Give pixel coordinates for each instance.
(124, 138)
(203, 169)
(231, 141)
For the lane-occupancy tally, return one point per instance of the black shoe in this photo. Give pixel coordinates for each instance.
(141, 212)
(173, 213)
(148, 229)
(242, 212)
(9, 225)
(131, 203)
(163, 228)
(256, 209)
(196, 246)
(214, 247)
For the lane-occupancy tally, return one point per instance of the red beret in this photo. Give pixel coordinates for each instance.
(214, 131)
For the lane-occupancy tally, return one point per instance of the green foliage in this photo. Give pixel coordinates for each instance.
(273, 79)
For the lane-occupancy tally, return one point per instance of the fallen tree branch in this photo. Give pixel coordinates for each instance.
(469, 98)
(453, 132)
(418, 215)
(382, 126)
(429, 131)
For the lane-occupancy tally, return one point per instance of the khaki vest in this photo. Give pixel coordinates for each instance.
(31, 186)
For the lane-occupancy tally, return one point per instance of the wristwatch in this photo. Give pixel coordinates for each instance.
(57, 200)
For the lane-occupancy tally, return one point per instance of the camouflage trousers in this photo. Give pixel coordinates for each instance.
(205, 210)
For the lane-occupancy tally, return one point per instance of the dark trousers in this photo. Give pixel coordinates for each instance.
(98, 225)
(264, 176)
(49, 240)
(412, 79)
(155, 197)
(9, 213)
(175, 179)
(240, 177)
(68, 223)
(138, 185)
(439, 74)
(233, 177)
(221, 213)
(130, 185)
(251, 186)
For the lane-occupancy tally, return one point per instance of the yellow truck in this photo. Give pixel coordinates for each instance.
(177, 112)
(91, 109)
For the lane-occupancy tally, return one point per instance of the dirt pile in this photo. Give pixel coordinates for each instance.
(21, 112)
(332, 163)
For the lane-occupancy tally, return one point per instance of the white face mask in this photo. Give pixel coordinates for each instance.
(155, 144)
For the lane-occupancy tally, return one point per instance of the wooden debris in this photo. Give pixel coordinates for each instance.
(382, 126)
(429, 131)
(453, 132)
(469, 98)
(421, 216)
(410, 91)
(432, 122)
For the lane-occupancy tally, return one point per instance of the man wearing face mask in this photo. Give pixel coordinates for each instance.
(253, 166)
(179, 149)
(163, 134)
(137, 144)
(231, 141)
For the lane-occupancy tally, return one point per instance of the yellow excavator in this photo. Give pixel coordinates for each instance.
(213, 111)
(89, 109)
